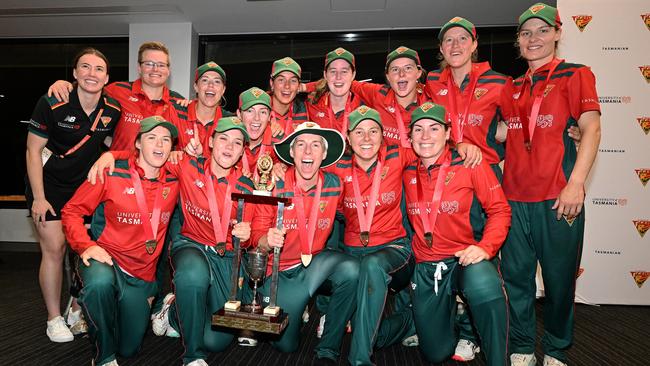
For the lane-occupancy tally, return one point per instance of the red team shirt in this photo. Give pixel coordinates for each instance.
(186, 127)
(296, 115)
(453, 230)
(491, 103)
(116, 225)
(321, 112)
(265, 217)
(387, 224)
(136, 106)
(540, 174)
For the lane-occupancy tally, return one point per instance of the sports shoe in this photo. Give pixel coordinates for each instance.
(76, 322)
(305, 315)
(320, 327)
(523, 359)
(552, 361)
(160, 320)
(58, 331)
(109, 363)
(411, 341)
(465, 351)
(198, 362)
(247, 341)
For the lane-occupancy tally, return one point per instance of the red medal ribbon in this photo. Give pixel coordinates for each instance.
(458, 123)
(365, 216)
(150, 226)
(306, 234)
(346, 113)
(403, 136)
(288, 122)
(86, 138)
(429, 219)
(528, 127)
(219, 224)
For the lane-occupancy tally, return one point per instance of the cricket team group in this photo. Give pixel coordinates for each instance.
(393, 188)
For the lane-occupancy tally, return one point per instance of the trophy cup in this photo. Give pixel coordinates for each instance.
(251, 316)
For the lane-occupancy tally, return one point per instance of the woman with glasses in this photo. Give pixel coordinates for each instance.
(544, 178)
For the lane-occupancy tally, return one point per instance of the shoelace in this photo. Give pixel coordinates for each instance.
(437, 276)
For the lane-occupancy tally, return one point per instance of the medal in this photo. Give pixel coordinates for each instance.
(365, 238)
(150, 246)
(458, 123)
(306, 230)
(219, 224)
(429, 218)
(221, 248)
(428, 238)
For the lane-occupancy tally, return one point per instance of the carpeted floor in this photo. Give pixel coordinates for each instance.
(605, 335)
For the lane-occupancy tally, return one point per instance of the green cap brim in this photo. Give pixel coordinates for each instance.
(335, 145)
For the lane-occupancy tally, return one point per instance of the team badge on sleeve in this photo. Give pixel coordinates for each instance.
(644, 175)
(644, 122)
(581, 21)
(640, 277)
(641, 226)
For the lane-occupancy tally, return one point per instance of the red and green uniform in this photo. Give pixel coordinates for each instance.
(187, 126)
(532, 182)
(136, 106)
(321, 112)
(386, 257)
(490, 102)
(296, 115)
(65, 125)
(265, 147)
(297, 284)
(114, 299)
(454, 230)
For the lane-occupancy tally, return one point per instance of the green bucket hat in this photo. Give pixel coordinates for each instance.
(547, 13)
(402, 51)
(363, 113)
(231, 123)
(149, 123)
(458, 22)
(209, 66)
(333, 141)
(429, 110)
(253, 96)
(285, 64)
(342, 54)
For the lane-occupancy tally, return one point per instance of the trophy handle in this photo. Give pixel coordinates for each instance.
(273, 309)
(233, 303)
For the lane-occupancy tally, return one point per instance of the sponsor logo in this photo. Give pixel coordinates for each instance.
(388, 197)
(611, 150)
(640, 277)
(339, 51)
(106, 120)
(548, 89)
(165, 192)
(401, 50)
(290, 207)
(129, 190)
(646, 20)
(321, 114)
(199, 183)
(70, 119)
(363, 110)
(608, 252)
(545, 121)
(644, 122)
(322, 205)
(323, 223)
(582, 21)
(615, 100)
(189, 131)
(479, 92)
(68, 125)
(516, 96)
(645, 71)
(609, 201)
(391, 109)
(475, 119)
(580, 271)
(257, 92)
(641, 226)
(287, 61)
(449, 177)
(414, 181)
(426, 106)
(413, 286)
(442, 92)
(449, 207)
(455, 20)
(536, 8)
(133, 99)
(347, 179)
(644, 175)
(164, 217)
(615, 48)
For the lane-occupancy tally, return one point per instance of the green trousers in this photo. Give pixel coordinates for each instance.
(116, 308)
(536, 235)
(435, 313)
(202, 286)
(378, 267)
(337, 271)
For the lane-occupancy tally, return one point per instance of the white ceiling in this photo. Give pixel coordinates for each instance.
(95, 18)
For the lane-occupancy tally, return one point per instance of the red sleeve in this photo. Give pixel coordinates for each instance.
(83, 203)
(264, 219)
(493, 200)
(111, 89)
(310, 87)
(366, 91)
(121, 154)
(407, 155)
(428, 87)
(582, 92)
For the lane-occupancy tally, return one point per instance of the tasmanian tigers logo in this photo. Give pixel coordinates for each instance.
(640, 277)
(581, 21)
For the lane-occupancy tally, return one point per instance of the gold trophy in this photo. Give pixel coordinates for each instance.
(251, 316)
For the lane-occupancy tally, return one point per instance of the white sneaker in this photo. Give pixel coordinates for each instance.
(160, 320)
(76, 322)
(57, 331)
(198, 362)
(320, 327)
(111, 363)
(305, 315)
(411, 341)
(247, 341)
(465, 351)
(523, 359)
(552, 361)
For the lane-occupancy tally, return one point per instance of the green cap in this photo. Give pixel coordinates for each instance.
(458, 22)
(285, 64)
(544, 12)
(339, 53)
(231, 123)
(402, 51)
(363, 113)
(209, 66)
(149, 123)
(334, 143)
(429, 110)
(253, 96)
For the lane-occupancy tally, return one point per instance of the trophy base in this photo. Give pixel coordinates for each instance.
(250, 321)
(272, 310)
(232, 305)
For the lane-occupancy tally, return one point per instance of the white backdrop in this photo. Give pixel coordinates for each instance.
(615, 42)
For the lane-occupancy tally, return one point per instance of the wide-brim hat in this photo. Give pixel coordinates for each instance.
(334, 139)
